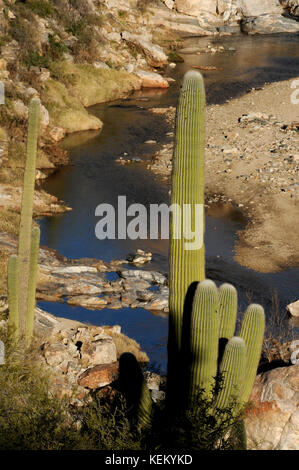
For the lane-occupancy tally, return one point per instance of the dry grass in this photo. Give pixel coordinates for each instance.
(9, 221)
(91, 85)
(66, 110)
(124, 344)
(278, 333)
(12, 176)
(3, 270)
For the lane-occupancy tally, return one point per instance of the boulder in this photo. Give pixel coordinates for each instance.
(44, 116)
(99, 376)
(99, 351)
(269, 24)
(291, 6)
(151, 79)
(195, 7)
(169, 4)
(272, 423)
(20, 109)
(154, 54)
(257, 7)
(293, 309)
(57, 133)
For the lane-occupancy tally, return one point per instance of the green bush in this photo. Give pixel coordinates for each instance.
(34, 58)
(42, 8)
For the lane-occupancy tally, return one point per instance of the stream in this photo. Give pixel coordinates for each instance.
(93, 177)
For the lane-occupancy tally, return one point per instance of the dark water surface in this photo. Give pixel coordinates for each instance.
(93, 178)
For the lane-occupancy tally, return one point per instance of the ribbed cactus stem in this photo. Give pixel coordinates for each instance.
(12, 280)
(186, 265)
(27, 212)
(252, 331)
(204, 335)
(144, 410)
(228, 303)
(35, 238)
(232, 372)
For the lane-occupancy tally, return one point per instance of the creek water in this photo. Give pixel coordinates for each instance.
(93, 177)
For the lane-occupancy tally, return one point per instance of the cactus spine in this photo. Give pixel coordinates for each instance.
(12, 278)
(186, 266)
(24, 247)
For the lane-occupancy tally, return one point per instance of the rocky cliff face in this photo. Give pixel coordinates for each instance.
(254, 16)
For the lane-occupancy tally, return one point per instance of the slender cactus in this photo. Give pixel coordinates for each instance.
(232, 370)
(204, 336)
(186, 266)
(12, 280)
(27, 212)
(35, 238)
(145, 405)
(252, 331)
(228, 303)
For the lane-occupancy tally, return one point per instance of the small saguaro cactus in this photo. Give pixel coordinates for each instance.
(22, 269)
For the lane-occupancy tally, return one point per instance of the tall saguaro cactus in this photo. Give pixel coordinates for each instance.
(186, 266)
(203, 353)
(24, 248)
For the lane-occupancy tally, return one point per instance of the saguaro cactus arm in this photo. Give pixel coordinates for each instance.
(204, 337)
(232, 372)
(228, 303)
(252, 331)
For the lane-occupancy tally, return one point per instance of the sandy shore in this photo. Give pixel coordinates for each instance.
(253, 161)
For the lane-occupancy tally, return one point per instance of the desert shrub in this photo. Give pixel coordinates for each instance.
(42, 8)
(9, 221)
(175, 57)
(142, 5)
(3, 270)
(34, 58)
(24, 28)
(201, 426)
(56, 48)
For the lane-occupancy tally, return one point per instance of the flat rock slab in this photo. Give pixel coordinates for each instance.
(99, 376)
(151, 79)
(270, 24)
